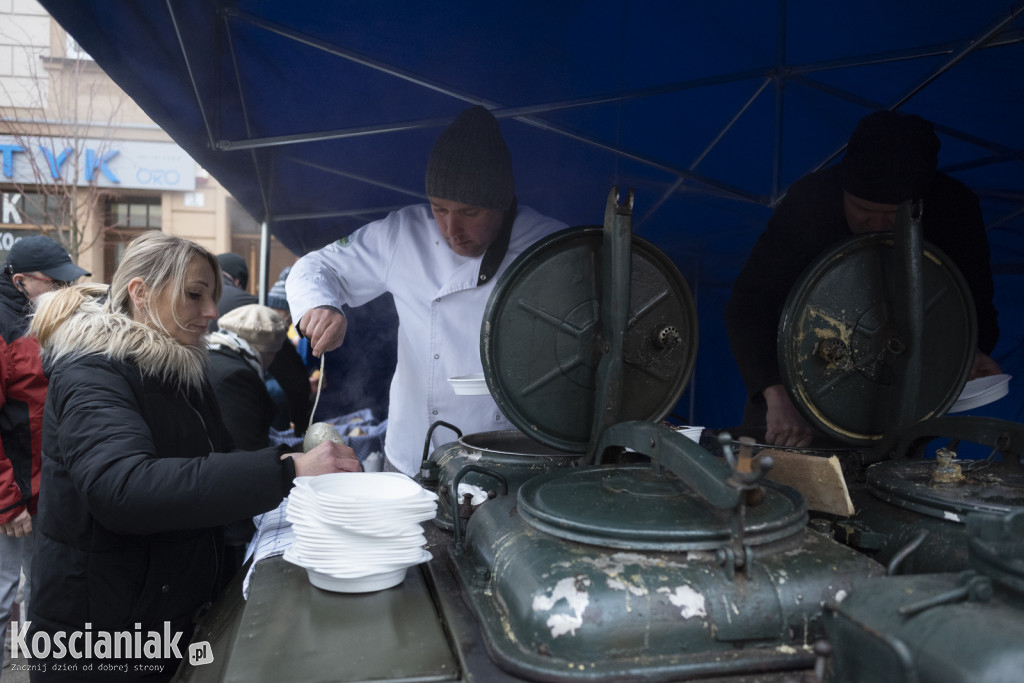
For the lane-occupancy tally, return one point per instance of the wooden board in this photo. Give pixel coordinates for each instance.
(819, 479)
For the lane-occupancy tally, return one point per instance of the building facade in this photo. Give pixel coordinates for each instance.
(82, 163)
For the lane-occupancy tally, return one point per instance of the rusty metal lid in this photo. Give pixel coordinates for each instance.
(993, 488)
(844, 355)
(541, 337)
(637, 507)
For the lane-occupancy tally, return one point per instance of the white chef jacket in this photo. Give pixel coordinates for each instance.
(440, 310)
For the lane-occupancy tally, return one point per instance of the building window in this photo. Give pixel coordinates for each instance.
(31, 208)
(114, 245)
(72, 50)
(137, 213)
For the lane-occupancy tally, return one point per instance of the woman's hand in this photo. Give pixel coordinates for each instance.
(326, 458)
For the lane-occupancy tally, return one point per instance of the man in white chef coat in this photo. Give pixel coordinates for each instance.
(439, 261)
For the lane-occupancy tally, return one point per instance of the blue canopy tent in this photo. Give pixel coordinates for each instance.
(319, 116)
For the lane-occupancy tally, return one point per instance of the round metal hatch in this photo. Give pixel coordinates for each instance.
(994, 489)
(840, 347)
(636, 507)
(541, 337)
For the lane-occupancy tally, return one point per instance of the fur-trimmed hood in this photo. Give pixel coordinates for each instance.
(76, 321)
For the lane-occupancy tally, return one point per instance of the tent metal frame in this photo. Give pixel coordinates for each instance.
(780, 76)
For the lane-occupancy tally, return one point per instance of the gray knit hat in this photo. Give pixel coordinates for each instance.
(471, 164)
(277, 297)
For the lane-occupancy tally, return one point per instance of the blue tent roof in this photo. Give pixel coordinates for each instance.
(319, 116)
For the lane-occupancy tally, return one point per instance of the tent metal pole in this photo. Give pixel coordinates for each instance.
(520, 113)
(191, 74)
(707, 150)
(369, 212)
(780, 99)
(872, 105)
(264, 261)
(260, 182)
(971, 47)
(1011, 37)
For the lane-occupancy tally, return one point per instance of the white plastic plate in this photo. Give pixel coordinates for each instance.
(470, 385)
(981, 391)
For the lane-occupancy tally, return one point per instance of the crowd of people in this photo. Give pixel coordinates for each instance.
(135, 417)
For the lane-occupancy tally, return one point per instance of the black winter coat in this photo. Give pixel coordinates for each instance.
(136, 482)
(242, 396)
(287, 367)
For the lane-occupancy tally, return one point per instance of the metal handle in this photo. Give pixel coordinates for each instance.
(425, 463)
(454, 493)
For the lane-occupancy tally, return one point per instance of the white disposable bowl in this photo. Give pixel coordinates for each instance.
(469, 385)
(362, 584)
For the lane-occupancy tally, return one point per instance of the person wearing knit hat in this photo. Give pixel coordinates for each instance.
(277, 297)
(239, 353)
(439, 261)
(471, 164)
(259, 326)
(292, 389)
(890, 158)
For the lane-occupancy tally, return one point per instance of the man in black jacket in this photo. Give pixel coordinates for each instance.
(890, 158)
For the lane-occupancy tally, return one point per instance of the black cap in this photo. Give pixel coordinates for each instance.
(235, 266)
(38, 253)
(471, 164)
(890, 158)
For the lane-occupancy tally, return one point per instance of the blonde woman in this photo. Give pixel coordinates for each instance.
(138, 474)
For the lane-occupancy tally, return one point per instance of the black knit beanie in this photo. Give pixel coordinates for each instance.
(470, 163)
(891, 158)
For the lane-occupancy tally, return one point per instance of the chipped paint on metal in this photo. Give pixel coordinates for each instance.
(840, 595)
(685, 597)
(951, 516)
(567, 589)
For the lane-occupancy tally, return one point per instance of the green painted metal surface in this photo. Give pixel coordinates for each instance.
(637, 507)
(510, 454)
(552, 609)
(543, 338)
(289, 630)
(948, 627)
(846, 355)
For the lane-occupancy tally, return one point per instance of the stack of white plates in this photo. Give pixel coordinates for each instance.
(358, 531)
(691, 433)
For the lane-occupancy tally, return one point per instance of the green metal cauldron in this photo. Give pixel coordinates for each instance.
(506, 457)
(875, 344)
(685, 569)
(961, 626)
